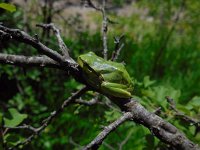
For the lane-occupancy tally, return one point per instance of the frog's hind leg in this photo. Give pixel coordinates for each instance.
(114, 89)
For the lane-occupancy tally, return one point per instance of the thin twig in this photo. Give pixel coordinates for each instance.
(93, 101)
(104, 30)
(49, 119)
(25, 126)
(125, 140)
(64, 49)
(181, 115)
(94, 144)
(104, 27)
(118, 47)
(20, 60)
(108, 146)
(89, 3)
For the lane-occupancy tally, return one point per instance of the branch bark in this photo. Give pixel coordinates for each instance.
(107, 130)
(35, 61)
(163, 130)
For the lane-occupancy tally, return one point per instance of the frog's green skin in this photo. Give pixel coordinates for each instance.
(108, 77)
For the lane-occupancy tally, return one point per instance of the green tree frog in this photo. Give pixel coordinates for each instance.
(110, 78)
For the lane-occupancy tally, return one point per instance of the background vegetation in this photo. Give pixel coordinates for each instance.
(161, 53)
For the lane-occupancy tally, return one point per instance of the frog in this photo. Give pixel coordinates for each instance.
(108, 77)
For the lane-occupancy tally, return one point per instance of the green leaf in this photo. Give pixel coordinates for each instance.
(8, 7)
(16, 118)
(147, 82)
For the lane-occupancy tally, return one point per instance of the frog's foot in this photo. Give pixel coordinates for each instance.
(114, 89)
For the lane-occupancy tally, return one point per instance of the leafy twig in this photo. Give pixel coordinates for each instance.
(181, 115)
(64, 49)
(118, 47)
(48, 120)
(94, 144)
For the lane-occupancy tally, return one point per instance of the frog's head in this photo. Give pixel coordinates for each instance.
(86, 59)
(85, 62)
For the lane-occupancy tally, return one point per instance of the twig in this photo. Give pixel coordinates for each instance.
(158, 111)
(107, 130)
(125, 140)
(108, 146)
(21, 36)
(35, 61)
(104, 27)
(181, 115)
(104, 30)
(74, 143)
(89, 3)
(25, 38)
(88, 103)
(64, 49)
(49, 119)
(118, 47)
(25, 126)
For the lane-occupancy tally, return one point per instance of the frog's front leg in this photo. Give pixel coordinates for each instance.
(115, 89)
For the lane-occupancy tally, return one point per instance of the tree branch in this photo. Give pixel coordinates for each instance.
(48, 120)
(64, 49)
(104, 30)
(118, 47)
(35, 61)
(23, 37)
(165, 131)
(107, 130)
(182, 116)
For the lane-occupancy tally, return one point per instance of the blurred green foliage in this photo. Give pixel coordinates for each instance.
(38, 91)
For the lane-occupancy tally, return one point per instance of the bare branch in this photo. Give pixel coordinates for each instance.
(89, 3)
(25, 126)
(64, 49)
(165, 131)
(181, 115)
(118, 47)
(48, 120)
(20, 60)
(25, 38)
(104, 27)
(104, 30)
(125, 140)
(108, 146)
(107, 130)
(88, 103)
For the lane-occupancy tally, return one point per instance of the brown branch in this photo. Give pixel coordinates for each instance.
(48, 120)
(118, 47)
(64, 49)
(163, 130)
(104, 30)
(89, 3)
(88, 103)
(182, 116)
(107, 130)
(104, 27)
(125, 140)
(23, 37)
(35, 61)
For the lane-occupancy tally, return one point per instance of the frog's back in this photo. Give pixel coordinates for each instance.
(108, 69)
